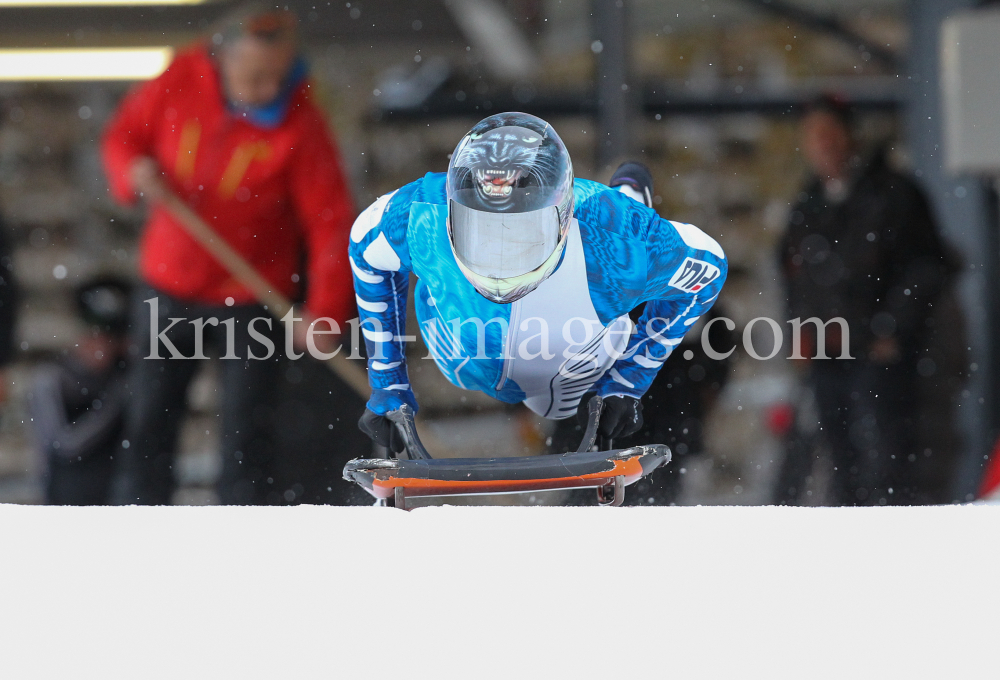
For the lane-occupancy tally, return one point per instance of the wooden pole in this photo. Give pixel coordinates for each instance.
(275, 303)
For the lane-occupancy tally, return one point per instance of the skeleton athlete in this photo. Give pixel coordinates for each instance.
(526, 277)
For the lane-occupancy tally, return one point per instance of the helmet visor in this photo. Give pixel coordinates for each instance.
(503, 245)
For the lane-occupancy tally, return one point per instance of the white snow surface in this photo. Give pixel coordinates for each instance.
(482, 592)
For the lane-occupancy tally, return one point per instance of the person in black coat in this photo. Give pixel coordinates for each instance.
(8, 306)
(77, 404)
(861, 245)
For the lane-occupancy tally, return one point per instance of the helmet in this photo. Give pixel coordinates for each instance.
(510, 202)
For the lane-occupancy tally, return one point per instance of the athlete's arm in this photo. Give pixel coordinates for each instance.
(685, 272)
(380, 262)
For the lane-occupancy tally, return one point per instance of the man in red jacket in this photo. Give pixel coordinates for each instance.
(231, 128)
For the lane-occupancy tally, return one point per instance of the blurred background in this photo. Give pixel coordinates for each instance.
(708, 93)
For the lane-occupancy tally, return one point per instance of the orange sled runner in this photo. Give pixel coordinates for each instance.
(418, 474)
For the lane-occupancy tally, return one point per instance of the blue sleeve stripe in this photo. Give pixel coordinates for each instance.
(681, 263)
(382, 294)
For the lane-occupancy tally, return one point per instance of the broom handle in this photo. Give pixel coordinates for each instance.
(276, 303)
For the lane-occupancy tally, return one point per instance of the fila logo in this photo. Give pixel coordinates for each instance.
(693, 275)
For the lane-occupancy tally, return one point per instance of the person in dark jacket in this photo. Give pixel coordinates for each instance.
(8, 307)
(861, 245)
(77, 404)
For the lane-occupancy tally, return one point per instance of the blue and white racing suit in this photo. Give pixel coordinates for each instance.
(570, 335)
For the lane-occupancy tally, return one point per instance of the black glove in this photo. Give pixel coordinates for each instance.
(382, 431)
(620, 417)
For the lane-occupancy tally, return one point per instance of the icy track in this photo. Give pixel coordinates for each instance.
(321, 592)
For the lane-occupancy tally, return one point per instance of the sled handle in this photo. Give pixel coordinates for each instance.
(594, 407)
(403, 418)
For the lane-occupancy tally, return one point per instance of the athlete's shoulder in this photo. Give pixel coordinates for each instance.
(585, 189)
(600, 207)
(431, 188)
(389, 215)
(681, 258)
(691, 238)
(428, 189)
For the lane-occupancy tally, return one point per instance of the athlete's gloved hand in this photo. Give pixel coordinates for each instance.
(382, 431)
(620, 417)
